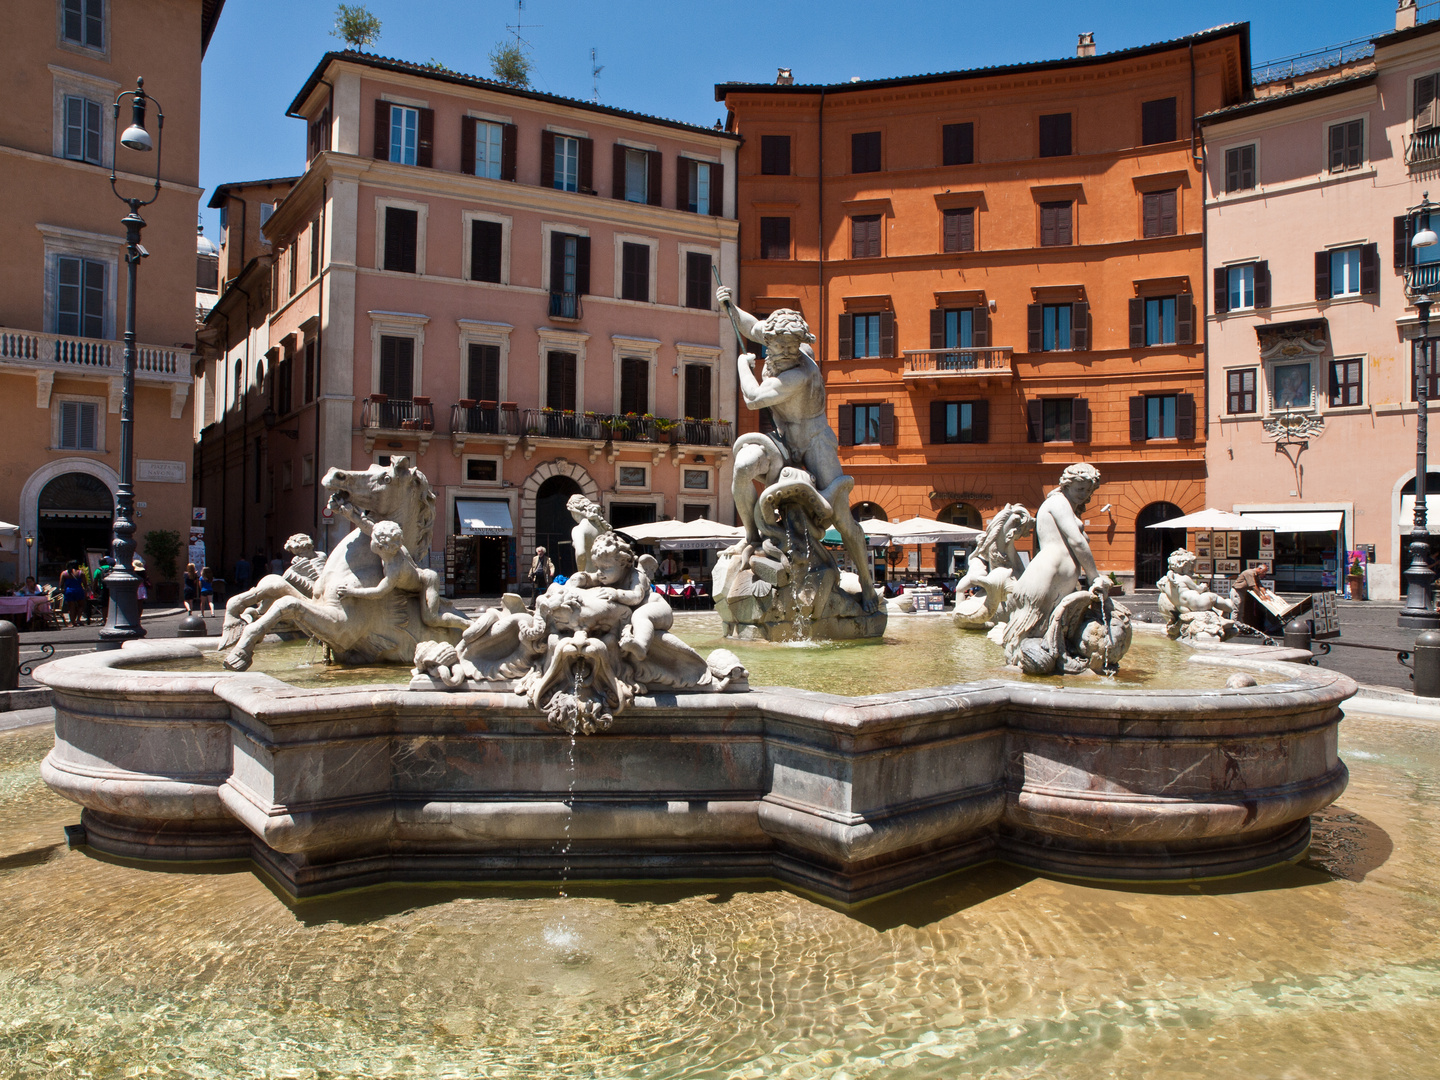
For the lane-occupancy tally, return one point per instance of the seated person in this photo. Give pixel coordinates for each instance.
(387, 541)
(30, 588)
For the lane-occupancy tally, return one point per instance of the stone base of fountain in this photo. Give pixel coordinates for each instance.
(848, 797)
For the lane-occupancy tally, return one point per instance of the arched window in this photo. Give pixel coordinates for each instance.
(239, 382)
(867, 511)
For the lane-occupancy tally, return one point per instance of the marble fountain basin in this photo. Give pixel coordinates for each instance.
(848, 797)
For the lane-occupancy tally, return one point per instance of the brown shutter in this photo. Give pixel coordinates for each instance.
(382, 130)
(467, 145)
(582, 266)
(557, 262)
(847, 424)
(1137, 418)
(1080, 419)
(1184, 320)
(887, 334)
(1080, 326)
(425, 149)
(683, 165)
(1035, 327)
(1262, 284)
(1185, 416)
(1137, 322)
(951, 219)
(887, 424)
(1232, 169)
(717, 189)
(1370, 269)
(1047, 226)
(1322, 275)
(1034, 421)
(508, 138)
(847, 336)
(653, 195)
(1404, 228)
(937, 328)
(547, 159)
(1169, 215)
(1221, 291)
(980, 327)
(1425, 106)
(1150, 213)
(587, 167)
(1064, 224)
(980, 421)
(967, 230)
(617, 174)
(937, 421)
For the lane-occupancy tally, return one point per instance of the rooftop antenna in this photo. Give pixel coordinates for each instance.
(521, 24)
(595, 70)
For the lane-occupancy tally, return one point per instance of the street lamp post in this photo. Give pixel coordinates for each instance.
(123, 622)
(1419, 611)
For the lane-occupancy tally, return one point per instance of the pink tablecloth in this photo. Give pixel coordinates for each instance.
(25, 606)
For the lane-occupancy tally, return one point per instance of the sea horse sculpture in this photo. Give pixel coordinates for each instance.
(993, 565)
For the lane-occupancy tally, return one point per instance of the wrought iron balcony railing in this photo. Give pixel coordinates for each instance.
(486, 418)
(1423, 147)
(398, 414)
(1424, 277)
(566, 305)
(624, 427)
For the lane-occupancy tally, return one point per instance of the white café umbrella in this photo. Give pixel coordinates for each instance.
(923, 530)
(1215, 519)
(684, 535)
(6, 528)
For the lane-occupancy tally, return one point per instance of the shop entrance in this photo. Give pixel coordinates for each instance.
(553, 522)
(1153, 546)
(76, 513)
(480, 566)
(1407, 519)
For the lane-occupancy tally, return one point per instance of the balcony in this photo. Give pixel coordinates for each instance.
(1423, 147)
(381, 415)
(703, 433)
(1424, 277)
(485, 422)
(978, 367)
(566, 306)
(614, 430)
(48, 354)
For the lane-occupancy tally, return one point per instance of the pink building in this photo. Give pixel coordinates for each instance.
(1310, 406)
(512, 289)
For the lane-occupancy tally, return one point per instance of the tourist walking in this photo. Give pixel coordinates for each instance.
(73, 594)
(207, 591)
(242, 574)
(191, 588)
(542, 571)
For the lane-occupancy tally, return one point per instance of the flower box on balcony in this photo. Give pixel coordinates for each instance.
(380, 399)
(421, 400)
(486, 404)
(466, 402)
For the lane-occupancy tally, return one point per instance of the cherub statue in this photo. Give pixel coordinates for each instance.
(402, 574)
(590, 523)
(630, 583)
(305, 563)
(1189, 610)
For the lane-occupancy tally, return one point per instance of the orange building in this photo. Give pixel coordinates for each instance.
(1003, 268)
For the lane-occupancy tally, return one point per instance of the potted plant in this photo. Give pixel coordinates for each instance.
(1357, 581)
(162, 548)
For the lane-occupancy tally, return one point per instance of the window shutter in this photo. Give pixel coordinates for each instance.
(1034, 421)
(980, 421)
(1322, 275)
(1151, 215)
(93, 305)
(582, 266)
(847, 336)
(887, 424)
(1425, 110)
(557, 262)
(508, 135)
(69, 424)
(1370, 269)
(1047, 226)
(967, 230)
(951, 219)
(1185, 416)
(1035, 328)
(887, 334)
(1064, 234)
(617, 172)
(485, 243)
(1080, 326)
(717, 189)
(382, 130)
(1184, 320)
(1404, 229)
(937, 421)
(653, 194)
(467, 145)
(1335, 385)
(937, 328)
(1137, 418)
(1169, 215)
(683, 167)
(980, 327)
(1232, 170)
(1137, 322)
(547, 159)
(1080, 419)
(1262, 284)
(847, 425)
(425, 148)
(1222, 290)
(587, 167)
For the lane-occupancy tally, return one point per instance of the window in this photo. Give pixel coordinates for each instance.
(1347, 149)
(1240, 287)
(78, 425)
(775, 155)
(1162, 416)
(483, 375)
(696, 480)
(635, 272)
(308, 389)
(697, 391)
(1290, 387)
(1157, 121)
(1240, 391)
(1160, 217)
(774, 238)
(83, 23)
(482, 470)
(1351, 271)
(402, 229)
(560, 372)
(1056, 415)
(320, 132)
(867, 424)
(959, 421)
(314, 247)
(267, 211)
(285, 385)
(957, 144)
(487, 250)
(1055, 135)
(80, 297)
(959, 229)
(1425, 356)
(1056, 225)
(865, 334)
(865, 236)
(569, 274)
(1057, 327)
(237, 382)
(489, 149)
(567, 163)
(1345, 272)
(397, 368)
(637, 176)
(82, 129)
(404, 135)
(287, 475)
(1160, 320)
(1427, 90)
(1240, 168)
(634, 385)
(697, 280)
(1345, 383)
(307, 470)
(700, 189)
(633, 476)
(291, 254)
(865, 152)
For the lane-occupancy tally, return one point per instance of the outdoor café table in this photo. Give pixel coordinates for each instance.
(26, 607)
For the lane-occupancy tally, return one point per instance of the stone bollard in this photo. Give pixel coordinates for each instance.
(192, 625)
(9, 656)
(1426, 664)
(1297, 635)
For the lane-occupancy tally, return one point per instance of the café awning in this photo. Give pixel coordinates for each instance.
(1212, 519)
(1301, 521)
(695, 535)
(484, 517)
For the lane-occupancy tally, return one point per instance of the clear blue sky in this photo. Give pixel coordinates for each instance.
(664, 56)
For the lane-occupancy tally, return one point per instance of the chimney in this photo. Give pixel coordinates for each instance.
(783, 77)
(1406, 14)
(1086, 46)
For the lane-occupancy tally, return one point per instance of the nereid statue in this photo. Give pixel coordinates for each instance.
(1192, 612)
(993, 565)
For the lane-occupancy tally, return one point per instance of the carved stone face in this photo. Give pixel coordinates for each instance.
(1182, 561)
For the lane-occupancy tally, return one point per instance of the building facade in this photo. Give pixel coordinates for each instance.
(62, 287)
(512, 290)
(1003, 268)
(1311, 395)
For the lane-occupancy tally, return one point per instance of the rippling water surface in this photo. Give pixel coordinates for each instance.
(1328, 968)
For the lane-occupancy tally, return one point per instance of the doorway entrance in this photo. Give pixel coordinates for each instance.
(480, 565)
(1153, 546)
(553, 522)
(76, 514)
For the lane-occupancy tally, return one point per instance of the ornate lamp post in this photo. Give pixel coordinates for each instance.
(30, 554)
(123, 623)
(1419, 611)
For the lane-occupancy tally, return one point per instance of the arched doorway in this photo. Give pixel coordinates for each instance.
(1407, 519)
(553, 522)
(868, 511)
(1153, 546)
(76, 512)
(951, 559)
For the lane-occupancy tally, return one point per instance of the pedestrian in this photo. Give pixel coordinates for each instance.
(207, 591)
(542, 571)
(669, 567)
(277, 565)
(72, 592)
(192, 588)
(242, 574)
(142, 590)
(102, 572)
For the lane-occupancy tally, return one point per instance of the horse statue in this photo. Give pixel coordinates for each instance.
(357, 629)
